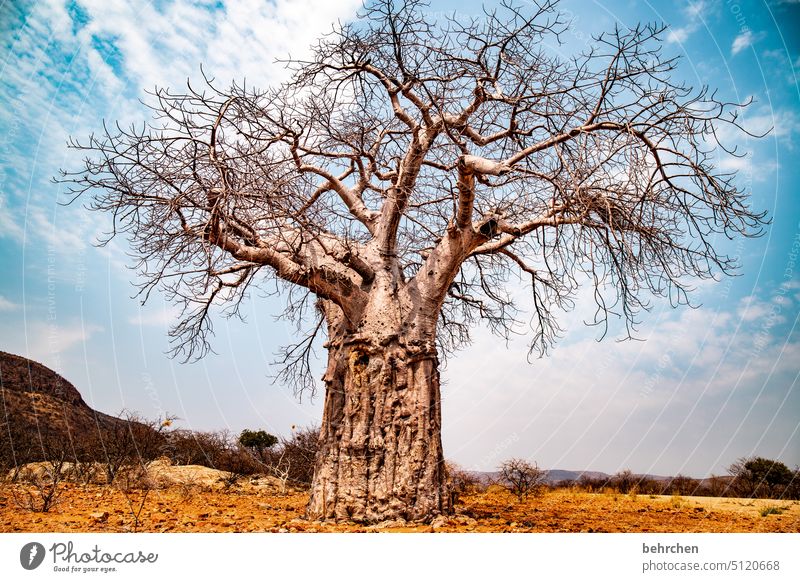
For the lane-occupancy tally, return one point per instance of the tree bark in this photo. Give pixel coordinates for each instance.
(380, 449)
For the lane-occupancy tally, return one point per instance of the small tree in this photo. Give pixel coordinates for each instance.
(521, 478)
(683, 485)
(625, 481)
(258, 442)
(760, 477)
(593, 484)
(793, 489)
(717, 486)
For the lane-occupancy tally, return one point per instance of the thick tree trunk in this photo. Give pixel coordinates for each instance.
(380, 453)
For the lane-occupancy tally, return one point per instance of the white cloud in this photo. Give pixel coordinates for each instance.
(767, 124)
(759, 170)
(63, 234)
(55, 13)
(7, 305)
(752, 309)
(162, 316)
(696, 9)
(695, 12)
(783, 63)
(165, 45)
(741, 42)
(679, 35)
(45, 341)
(9, 225)
(745, 40)
(778, 122)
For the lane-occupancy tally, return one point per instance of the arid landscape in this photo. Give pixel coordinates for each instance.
(68, 468)
(198, 499)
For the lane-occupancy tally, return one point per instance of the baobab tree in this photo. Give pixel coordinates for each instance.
(392, 187)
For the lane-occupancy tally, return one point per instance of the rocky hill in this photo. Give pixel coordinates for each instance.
(35, 400)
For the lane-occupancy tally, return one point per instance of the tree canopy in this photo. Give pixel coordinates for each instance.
(257, 439)
(455, 151)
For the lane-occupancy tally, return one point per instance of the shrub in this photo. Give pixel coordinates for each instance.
(127, 443)
(521, 478)
(461, 482)
(298, 455)
(218, 450)
(771, 510)
(593, 484)
(43, 485)
(682, 485)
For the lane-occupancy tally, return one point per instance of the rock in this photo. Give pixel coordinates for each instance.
(466, 520)
(99, 516)
(439, 521)
(390, 523)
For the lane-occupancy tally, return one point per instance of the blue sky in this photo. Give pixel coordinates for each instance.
(705, 387)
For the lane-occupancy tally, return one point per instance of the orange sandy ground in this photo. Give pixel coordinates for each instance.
(97, 508)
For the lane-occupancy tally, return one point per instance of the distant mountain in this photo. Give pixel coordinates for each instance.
(37, 400)
(554, 476)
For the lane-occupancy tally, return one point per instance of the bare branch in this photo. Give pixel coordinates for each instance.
(419, 160)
